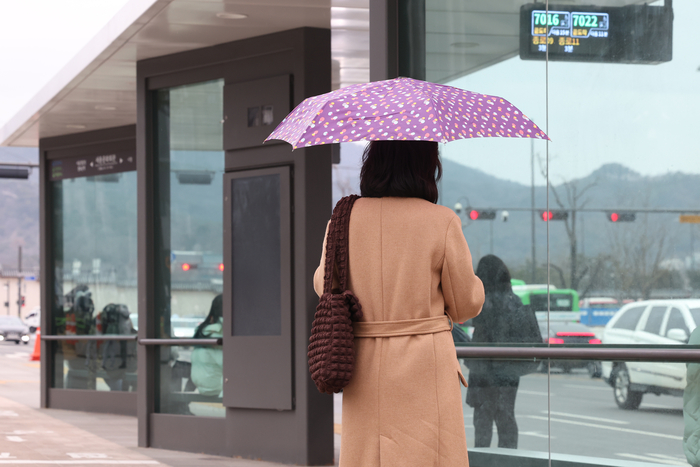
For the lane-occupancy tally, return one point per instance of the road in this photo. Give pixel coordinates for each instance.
(584, 420)
(19, 377)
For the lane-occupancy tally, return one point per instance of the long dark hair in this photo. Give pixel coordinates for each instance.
(215, 313)
(494, 274)
(407, 169)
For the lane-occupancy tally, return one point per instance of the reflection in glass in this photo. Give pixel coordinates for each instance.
(189, 245)
(190, 378)
(95, 267)
(189, 173)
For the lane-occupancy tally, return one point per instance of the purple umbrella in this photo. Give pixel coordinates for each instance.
(402, 109)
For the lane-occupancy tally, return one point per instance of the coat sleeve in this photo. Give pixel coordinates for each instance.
(318, 275)
(463, 291)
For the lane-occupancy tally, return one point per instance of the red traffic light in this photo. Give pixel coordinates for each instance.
(221, 267)
(483, 215)
(554, 215)
(622, 216)
(186, 267)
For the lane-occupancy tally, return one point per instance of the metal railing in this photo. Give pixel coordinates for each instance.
(646, 354)
(145, 341)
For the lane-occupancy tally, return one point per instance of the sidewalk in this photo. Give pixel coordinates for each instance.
(33, 436)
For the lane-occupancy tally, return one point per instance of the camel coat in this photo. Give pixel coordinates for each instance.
(408, 259)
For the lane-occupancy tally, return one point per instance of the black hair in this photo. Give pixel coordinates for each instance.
(216, 312)
(407, 169)
(494, 274)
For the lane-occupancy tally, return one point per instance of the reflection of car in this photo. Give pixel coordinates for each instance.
(13, 329)
(184, 327)
(650, 322)
(571, 333)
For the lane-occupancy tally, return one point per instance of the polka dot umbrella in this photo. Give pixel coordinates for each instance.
(402, 109)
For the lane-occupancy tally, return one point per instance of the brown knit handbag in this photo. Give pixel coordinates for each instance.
(331, 351)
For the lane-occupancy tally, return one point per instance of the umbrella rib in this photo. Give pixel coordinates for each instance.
(439, 123)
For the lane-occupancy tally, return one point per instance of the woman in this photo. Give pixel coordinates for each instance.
(493, 385)
(208, 362)
(408, 263)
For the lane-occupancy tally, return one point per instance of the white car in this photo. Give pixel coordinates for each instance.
(33, 319)
(649, 322)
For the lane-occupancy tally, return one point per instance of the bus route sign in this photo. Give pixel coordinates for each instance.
(630, 34)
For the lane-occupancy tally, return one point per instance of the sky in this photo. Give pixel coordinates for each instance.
(642, 116)
(38, 37)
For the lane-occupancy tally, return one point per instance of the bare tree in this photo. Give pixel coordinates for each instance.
(637, 255)
(573, 199)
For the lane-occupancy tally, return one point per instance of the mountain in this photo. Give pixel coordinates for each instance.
(612, 187)
(19, 212)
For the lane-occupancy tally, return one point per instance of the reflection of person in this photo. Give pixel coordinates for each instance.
(118, 357)
(80, 355)
(208, 361)
(691, 407)
(409, 265)
(493, 384)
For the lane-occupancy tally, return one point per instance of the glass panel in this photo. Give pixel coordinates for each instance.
(190, 379)
(189, 176)
(676, 321)
(189, 243)
(656, 316)
(95, 267)
(629, 319)
(257, 301)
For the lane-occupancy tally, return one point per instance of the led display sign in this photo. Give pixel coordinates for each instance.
(630, 34)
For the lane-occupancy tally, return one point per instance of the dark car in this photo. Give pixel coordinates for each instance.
(571, 333)
(13, 329)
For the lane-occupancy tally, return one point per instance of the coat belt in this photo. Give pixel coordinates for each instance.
(405, 327)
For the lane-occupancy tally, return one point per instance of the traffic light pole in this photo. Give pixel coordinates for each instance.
(19, 283)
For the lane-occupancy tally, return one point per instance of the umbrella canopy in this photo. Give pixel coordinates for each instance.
(402, 109)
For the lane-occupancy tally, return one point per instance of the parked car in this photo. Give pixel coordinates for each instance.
(13, 329)
(649, 322)
(571, 333)
(33, 319)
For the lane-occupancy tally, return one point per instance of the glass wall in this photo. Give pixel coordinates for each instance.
(189, 246)
(597, 226)
(94, 226)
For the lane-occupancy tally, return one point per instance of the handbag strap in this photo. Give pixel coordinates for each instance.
(337, 244)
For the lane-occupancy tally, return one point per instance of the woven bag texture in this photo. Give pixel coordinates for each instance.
(331, 350)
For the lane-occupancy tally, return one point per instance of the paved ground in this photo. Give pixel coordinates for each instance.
(30, 436)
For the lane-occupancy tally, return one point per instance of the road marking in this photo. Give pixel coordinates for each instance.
(657, 406)
(666, 456)
(17, 355)
(80, 462)
(583, 386)
(535, 393)
(605, 427)
(15, 439)
(654, 459)
(87, 455)
(8, 413)
(6, 455)
(585, 417)
(537, 434)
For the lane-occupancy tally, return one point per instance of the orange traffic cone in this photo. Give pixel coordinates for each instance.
(36, 355)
